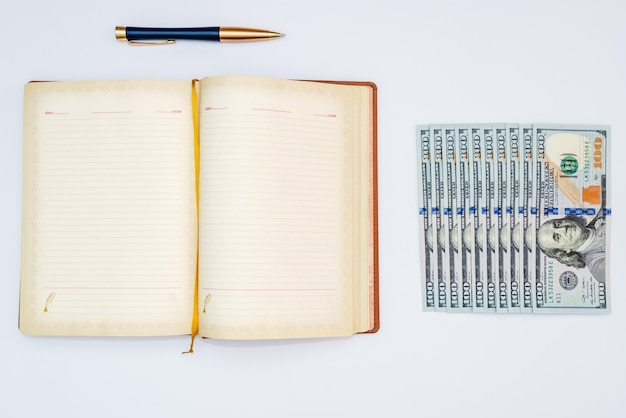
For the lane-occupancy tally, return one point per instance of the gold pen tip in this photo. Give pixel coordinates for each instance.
(237, 34)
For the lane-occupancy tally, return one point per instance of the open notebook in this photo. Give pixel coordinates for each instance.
(234, 207)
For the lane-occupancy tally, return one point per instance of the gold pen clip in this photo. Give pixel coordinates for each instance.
(139, 43)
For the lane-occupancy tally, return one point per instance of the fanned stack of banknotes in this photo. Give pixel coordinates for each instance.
(514, 218)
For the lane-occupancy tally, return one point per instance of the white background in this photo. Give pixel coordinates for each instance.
(434, 62)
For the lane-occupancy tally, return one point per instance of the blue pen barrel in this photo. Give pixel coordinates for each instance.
(149, 34)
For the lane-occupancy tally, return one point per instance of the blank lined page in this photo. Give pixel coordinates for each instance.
(109, 209)
(275, 208)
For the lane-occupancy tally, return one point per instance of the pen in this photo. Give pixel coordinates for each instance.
(157, 36)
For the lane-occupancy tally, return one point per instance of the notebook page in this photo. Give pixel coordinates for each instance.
(110, 228)
(275, 254)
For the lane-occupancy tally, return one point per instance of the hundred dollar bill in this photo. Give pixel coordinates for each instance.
(464, 215)
(514, 148)
(573, 210)
(490, 236)
(478, 220)
(451, 247)
(425, 215)
(501, 215)
(528, 213)
(439, 230)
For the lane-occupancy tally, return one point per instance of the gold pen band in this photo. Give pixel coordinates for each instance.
(120, 33)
